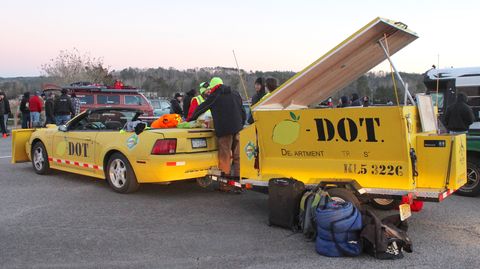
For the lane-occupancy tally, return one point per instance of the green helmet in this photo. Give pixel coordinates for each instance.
(214, 82)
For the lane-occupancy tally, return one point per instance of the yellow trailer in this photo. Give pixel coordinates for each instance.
(380, 152)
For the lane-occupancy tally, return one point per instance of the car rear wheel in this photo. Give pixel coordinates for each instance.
(472, 187)
(120, 174)
(384, 203)
(344, 195)
(40, 159)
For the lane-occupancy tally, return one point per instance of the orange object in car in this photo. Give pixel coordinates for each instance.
(167, 121)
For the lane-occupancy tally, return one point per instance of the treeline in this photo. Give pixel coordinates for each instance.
(165, 82)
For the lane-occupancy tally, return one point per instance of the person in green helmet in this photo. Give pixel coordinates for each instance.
(229, 116)
(197, 100)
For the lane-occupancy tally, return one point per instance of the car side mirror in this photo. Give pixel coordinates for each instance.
(62, 128)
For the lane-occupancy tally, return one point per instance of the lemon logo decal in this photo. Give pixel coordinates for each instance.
(287, 131)
(61, 148)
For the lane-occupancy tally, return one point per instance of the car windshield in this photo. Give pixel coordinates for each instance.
(108, 99)
(155, 104)
(106, 120)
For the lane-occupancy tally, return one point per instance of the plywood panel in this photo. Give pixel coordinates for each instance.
(339, 67)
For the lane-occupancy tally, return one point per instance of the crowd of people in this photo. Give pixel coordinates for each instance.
(39, 109)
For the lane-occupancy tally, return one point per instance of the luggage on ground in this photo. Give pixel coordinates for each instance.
(338, 229)
(284, 196)
(385, 239)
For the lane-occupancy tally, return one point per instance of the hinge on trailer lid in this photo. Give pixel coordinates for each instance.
(401, 24)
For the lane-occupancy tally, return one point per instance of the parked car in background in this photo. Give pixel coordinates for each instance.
(97, 96)
(160, 107)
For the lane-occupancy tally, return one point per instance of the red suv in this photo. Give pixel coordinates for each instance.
(95, 96)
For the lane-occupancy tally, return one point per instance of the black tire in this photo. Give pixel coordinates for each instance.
(472, 187)
(40, 159)
(342, 194)
(384, 203)
(120, 175)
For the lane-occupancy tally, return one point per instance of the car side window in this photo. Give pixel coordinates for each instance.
(108, 99)
(133, 100)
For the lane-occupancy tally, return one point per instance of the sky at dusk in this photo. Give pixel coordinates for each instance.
(266, 35)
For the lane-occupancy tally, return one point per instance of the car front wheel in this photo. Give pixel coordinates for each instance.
(472, 187)
(120, 174)
(40, 159)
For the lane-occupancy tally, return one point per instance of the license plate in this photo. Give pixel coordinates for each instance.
(405, 211)
(198, 143)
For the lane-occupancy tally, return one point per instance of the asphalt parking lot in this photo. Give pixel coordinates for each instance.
(70, 221)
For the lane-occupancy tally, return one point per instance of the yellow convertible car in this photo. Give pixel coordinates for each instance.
(105, 143)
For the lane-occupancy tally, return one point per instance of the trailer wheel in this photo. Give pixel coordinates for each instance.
(120, 174)
(384, 204)
(204, 182)
(344, 195)
(472, 187)
(40, 159)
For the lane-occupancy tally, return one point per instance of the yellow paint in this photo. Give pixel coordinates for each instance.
(20, 138)
(92, 148)
(369, 145)
(434, 162)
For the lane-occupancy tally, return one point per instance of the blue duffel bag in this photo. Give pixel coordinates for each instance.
(338, 229)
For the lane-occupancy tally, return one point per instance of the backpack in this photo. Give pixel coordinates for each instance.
(385, 239)
(311, 199)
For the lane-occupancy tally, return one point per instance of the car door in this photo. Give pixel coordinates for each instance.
(74, 146)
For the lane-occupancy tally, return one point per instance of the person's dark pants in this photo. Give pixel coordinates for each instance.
(25, 120)
(3, 128)
(5, 119)
(228, 151)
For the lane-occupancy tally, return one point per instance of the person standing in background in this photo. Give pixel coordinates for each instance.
(355, 100)
(36, 105)
(343, 102)
(7, 111)
(259, 91)
(49, 115)
(366, 101)
(25, 110)
(271, 84)
(175, 104)
(197, 100)
(3, 129)
(187, 100)
(75, 104)
(459, 115)
(62, 108)
(43, 119)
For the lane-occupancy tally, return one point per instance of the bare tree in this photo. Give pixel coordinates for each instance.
(73, 66)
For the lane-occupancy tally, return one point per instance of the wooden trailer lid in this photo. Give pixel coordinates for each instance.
(339, 67)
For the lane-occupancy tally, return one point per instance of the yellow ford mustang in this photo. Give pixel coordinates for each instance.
(95, 143)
